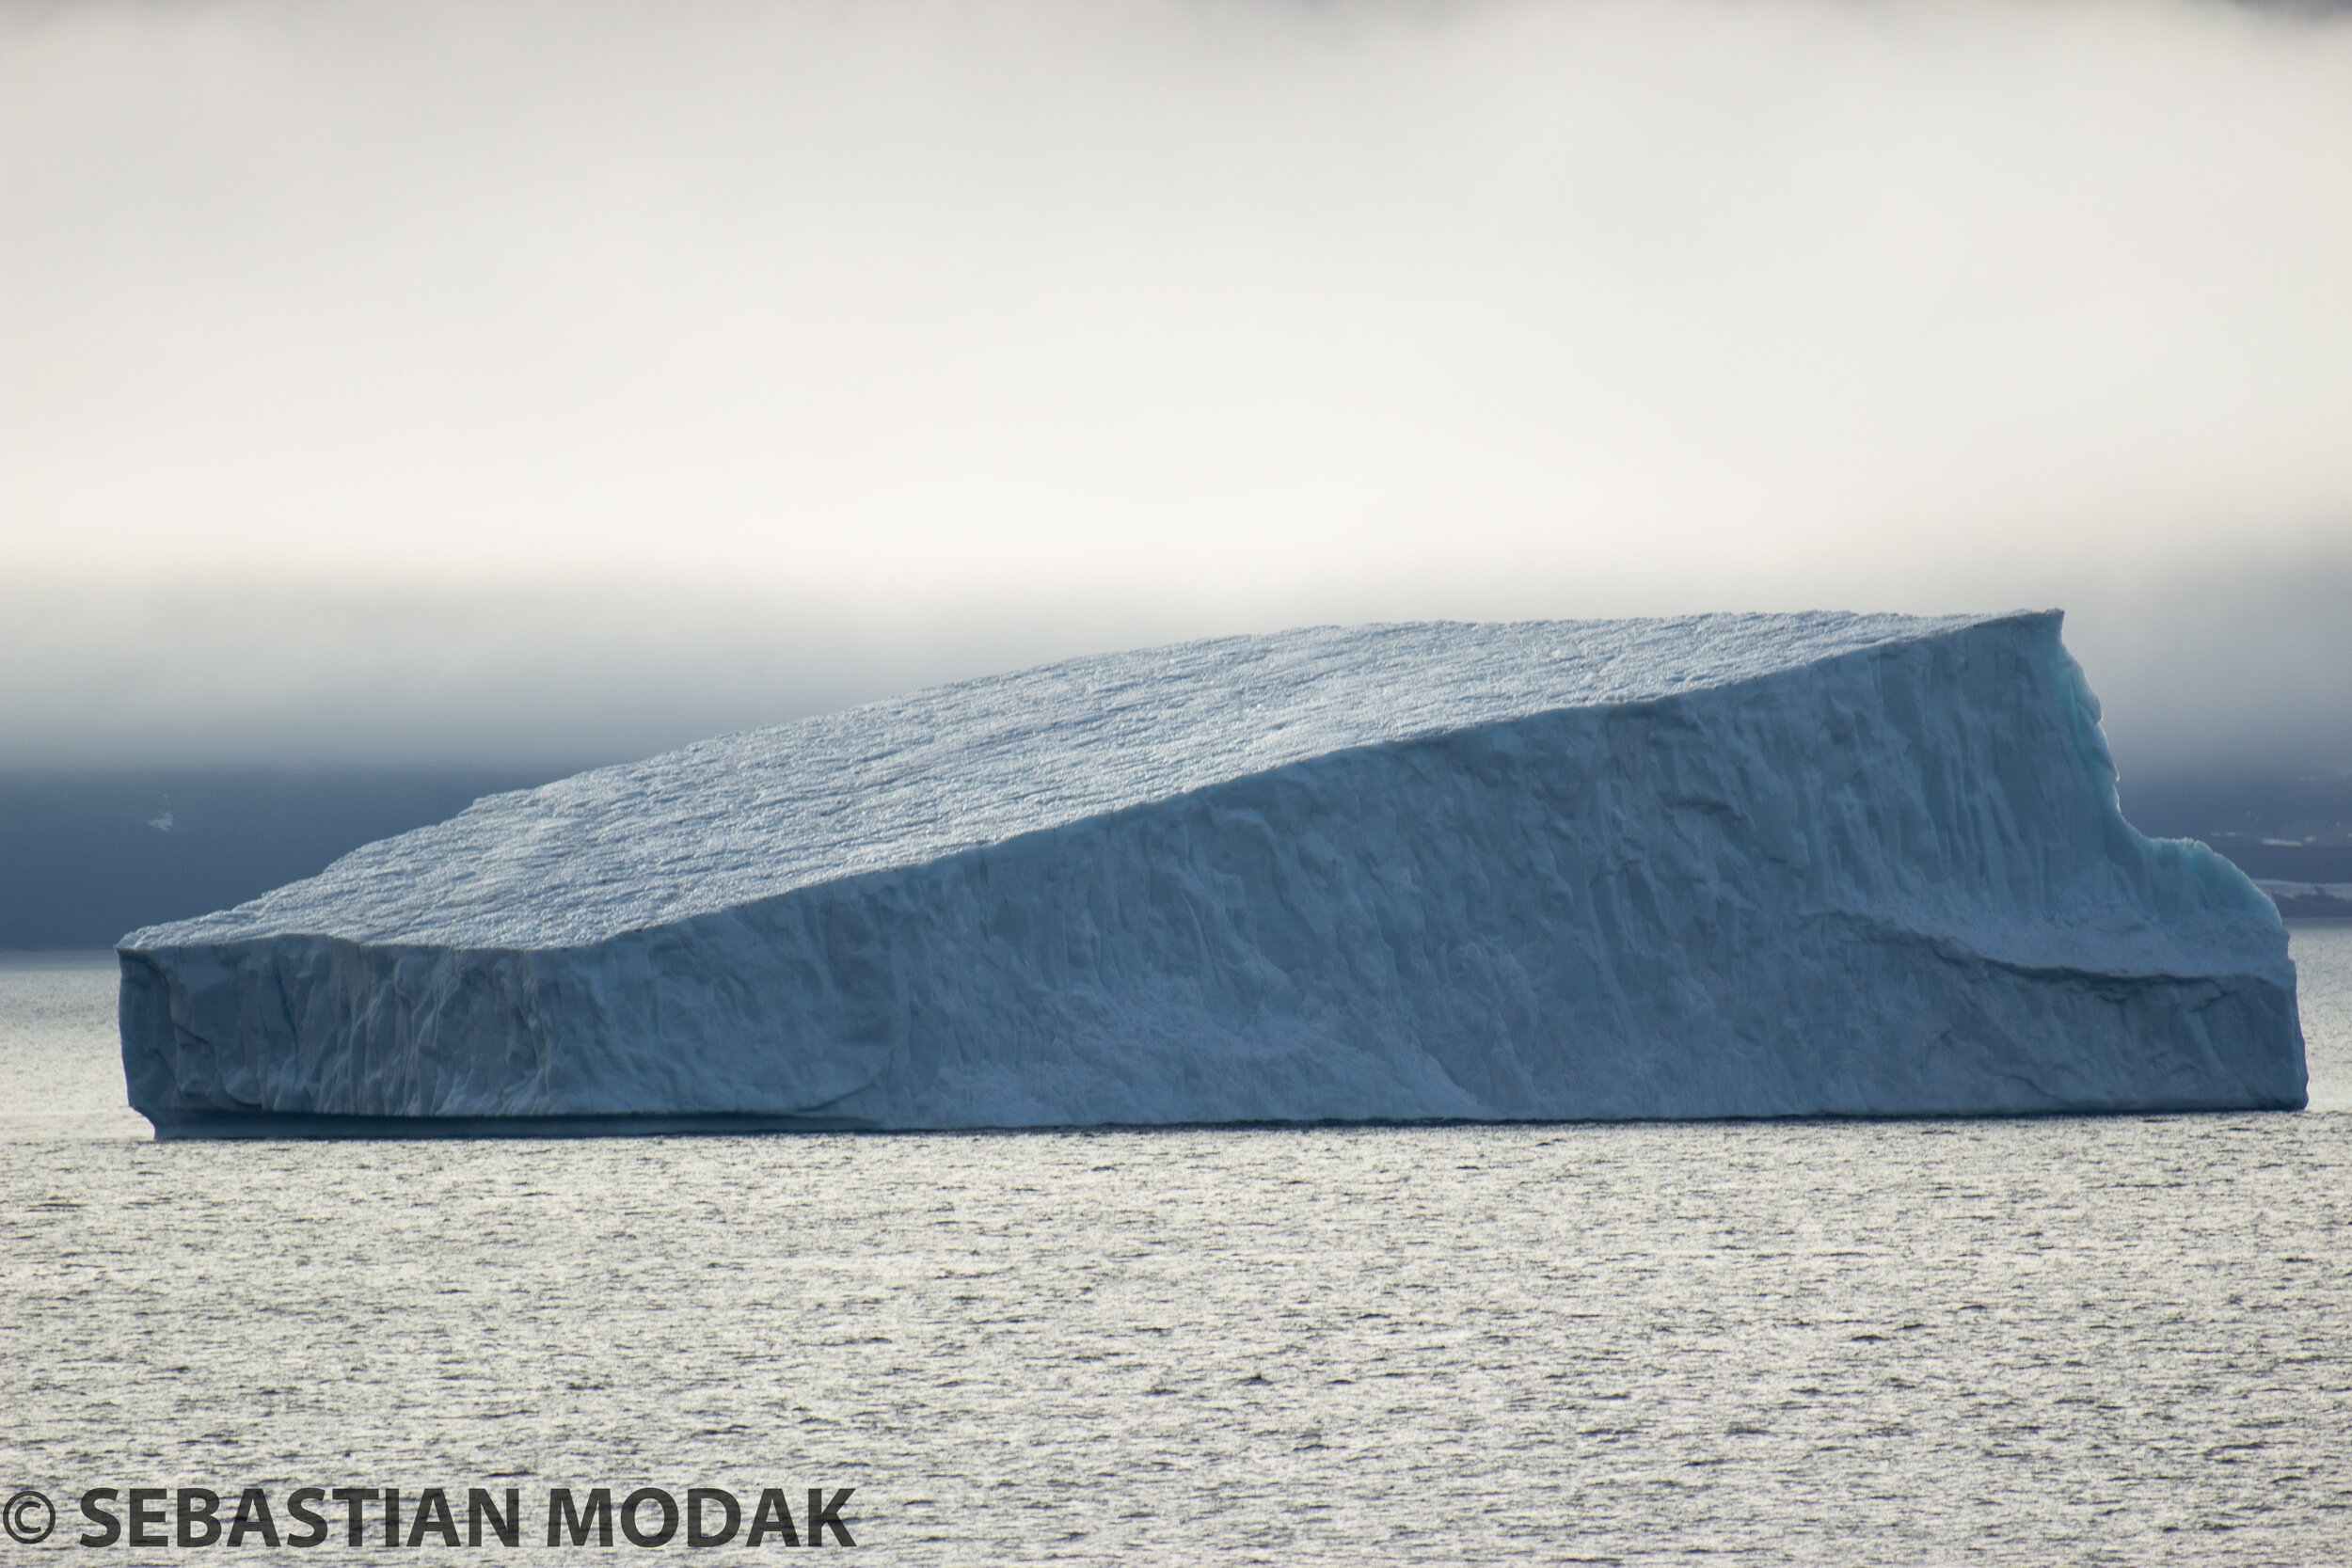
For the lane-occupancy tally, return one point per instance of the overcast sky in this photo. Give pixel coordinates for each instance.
(499, 382)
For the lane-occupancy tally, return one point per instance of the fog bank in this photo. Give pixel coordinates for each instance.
(520, 382)
(2240, 668)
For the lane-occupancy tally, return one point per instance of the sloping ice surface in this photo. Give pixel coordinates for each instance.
(911, 779)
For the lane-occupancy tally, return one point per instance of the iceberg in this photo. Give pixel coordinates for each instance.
(1719, 865)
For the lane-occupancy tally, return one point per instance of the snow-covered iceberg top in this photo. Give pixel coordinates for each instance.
(1717, 865)
(912, 779)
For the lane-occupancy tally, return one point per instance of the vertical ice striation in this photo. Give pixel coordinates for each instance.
(1709, 866)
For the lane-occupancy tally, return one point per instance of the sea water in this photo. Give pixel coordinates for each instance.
(2124, 1340)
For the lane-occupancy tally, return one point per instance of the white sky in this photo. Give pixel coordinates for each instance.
(410, 380)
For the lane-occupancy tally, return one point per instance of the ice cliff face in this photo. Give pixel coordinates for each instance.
(1720, 866)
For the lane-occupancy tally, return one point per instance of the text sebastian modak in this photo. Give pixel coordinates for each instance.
(380, 1516)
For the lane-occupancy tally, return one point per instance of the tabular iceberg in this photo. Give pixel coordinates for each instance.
(1758, 866)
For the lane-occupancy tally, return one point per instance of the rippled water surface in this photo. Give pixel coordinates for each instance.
(2099, 1340)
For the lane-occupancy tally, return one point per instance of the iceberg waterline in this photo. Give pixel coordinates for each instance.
(1714, 866)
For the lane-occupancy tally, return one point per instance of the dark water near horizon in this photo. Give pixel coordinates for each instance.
(2121, 1339)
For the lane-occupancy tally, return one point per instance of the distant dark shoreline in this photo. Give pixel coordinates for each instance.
(2270, 861)
(87, 856)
